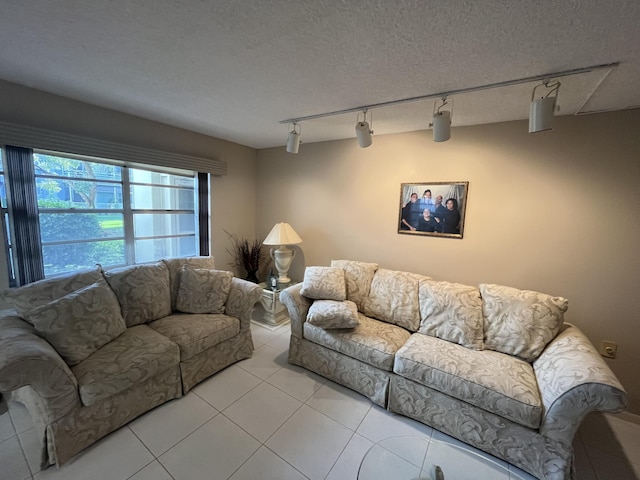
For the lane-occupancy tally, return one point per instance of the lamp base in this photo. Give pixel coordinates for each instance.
(282, 257)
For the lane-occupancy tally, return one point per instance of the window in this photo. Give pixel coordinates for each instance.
(100, 212)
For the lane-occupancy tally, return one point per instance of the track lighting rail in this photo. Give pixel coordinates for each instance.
(489, 86)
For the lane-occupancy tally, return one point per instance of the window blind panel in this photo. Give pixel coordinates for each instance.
(38, 138)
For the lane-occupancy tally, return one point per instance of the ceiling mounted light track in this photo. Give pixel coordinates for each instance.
(536, 78)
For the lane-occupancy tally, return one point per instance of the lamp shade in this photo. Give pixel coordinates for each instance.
(364, 134)
(442, 126)
(282, 234)
(541, 114)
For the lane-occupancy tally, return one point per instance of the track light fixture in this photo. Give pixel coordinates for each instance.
(540, 114)
(441, 121)
(293, 141)
(541, 110)
(363, 131)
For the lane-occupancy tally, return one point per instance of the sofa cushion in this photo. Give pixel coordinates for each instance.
(39, 293)
(498, 383)
(195, 333)
(393, 298)
(451, 311)
(358, 276)
(79, 323)
(520, 322)
(324, 283)
(135, 356)
(175, 264)
(332, 314)
(372, 341)
(202, 290)
(142, 290)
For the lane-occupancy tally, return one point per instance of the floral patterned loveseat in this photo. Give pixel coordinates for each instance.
(493, 366)
(90, 351)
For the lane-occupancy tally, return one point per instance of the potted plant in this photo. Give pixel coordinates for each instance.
(246, 255)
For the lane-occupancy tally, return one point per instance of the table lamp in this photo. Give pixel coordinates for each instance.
(282, 234)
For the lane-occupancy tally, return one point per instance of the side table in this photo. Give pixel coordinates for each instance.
(270, 312)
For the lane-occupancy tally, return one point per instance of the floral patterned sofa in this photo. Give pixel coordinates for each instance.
(90, 351)
(492, 366)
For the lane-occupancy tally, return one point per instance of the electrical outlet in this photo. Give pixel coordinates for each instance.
(608, 349)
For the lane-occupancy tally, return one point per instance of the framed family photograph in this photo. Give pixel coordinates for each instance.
(433, 208)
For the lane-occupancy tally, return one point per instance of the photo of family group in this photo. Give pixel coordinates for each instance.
(435, 208)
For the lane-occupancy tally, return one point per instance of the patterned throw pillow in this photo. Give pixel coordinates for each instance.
(393, 298)
(324, 283)
(142, 290)
(175, 265)
(520, 322)
(39, 293)
(331, 314)
(452, 312)
(202, 290)
(358, 276)
(79, 323)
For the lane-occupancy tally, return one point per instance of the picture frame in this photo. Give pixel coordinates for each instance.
(445, 203)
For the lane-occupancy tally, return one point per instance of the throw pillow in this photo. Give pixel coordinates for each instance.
(331, 314)
(324, 283)
(520, 322)
(42, 292)
(175, 265)
(142, 290)
(202, 290)
(452, 312)
(358, 276)
(79, 323)
(393, 298)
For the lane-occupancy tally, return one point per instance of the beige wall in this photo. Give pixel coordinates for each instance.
(554, 212)
(233, 197)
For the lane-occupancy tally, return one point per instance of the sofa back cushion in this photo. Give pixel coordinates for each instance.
(520, 322)
(79, 323)
(358, 276)
(324, 283)
(203, 290)
(452, 312)
(39, 293)
(142, 290)
(393, 298)
(175, 264)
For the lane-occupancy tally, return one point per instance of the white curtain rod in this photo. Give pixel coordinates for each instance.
(536, 78)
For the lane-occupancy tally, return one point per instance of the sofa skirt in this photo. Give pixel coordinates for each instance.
(516, 444)
(84, 426)
(347, 371)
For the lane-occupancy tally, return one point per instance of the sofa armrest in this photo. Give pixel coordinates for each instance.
(574, 380)
(298, 307)
(26, 360)
(243, 296)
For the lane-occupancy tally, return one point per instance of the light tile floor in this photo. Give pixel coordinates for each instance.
(265, 419)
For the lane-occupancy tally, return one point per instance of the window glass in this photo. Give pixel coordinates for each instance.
(65, 257)
(56, 227)
(148, 197)
(148, 250)
(163, 224)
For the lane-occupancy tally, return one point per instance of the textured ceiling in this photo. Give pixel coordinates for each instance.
(233, 69)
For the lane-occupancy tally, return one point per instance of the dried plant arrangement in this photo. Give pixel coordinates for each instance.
(246, 255)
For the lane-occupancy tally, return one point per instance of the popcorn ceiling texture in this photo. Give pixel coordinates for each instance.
(234, 69)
